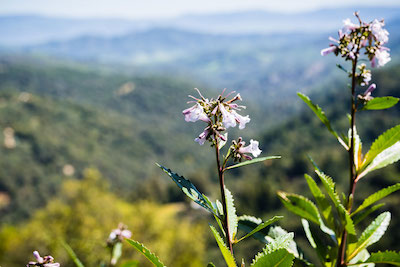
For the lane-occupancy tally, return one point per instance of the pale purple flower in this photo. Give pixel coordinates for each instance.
(328, 50)
(366, 78)
(46, 261)
(126, 233)
(348, 25)
(379, 32)
(370, 89)
(119, 234)
(203, 136)
(382, 56)
(195, 113)
(242, 120)
(250, 149)
(228, 118)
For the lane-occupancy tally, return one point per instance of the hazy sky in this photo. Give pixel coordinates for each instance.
(138, 9)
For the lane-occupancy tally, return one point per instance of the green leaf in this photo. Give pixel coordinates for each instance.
(386, 257)
(300, 205)
(149, 255)
(377, 196)
(232, 217)
(321, 200)
(360, 258)
(306, 227)
(210, 264)
(72, 254)
(371, 234)
(189, 189)
(260, 227)
(247, 162)
(360, 216)
(321, 115)
(386, 157)
(116, 252)
(383, 142)
(331, 190)
(229, 259)
(248, 223)
(381, 103)
(275, 253)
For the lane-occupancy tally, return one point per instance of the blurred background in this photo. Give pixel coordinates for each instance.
(91, 94)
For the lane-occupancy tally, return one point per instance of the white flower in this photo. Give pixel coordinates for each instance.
(46, 261)
(366, 78)
(382, 56)
(328, 50)
(195, 113)
(228, 118)
(251, 149)
(126, 233)
(377, 30)
(348, 25)
(203, 136)
(242, 120)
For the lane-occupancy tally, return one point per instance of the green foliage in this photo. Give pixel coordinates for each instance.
(85, 212)
(232, 217)
(371, 234)
(381, 103)
(260, 227)
(385, 257)
(248, 162)
(146, 252)
(72, 254)
(360, 216)
(377, 196)
(229, 259)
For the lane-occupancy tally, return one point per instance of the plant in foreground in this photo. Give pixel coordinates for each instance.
(333, 234)
(46, 261)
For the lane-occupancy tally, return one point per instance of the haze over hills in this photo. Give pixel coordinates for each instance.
(20, 30)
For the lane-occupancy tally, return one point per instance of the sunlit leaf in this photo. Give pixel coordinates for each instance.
(377, 196)
(385, 257)
(360, 216)
(232, 217)
(381, 103)
(386, 157)
(371, 234)
(321, 115)
(146, 252)
(229, 259)
(261, 226)
(256, 160)
(300, 205)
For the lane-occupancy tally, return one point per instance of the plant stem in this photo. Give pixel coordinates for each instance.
(224, 204)
(343, 244)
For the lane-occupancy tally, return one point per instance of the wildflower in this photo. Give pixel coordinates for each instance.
(203, 136)
(251, 149)
(119, 234)
(381, 35)
(367, 94)
(46, 261)
(195, 113)
(328, 50)
(240, 150)
(348, 25)
(382, 56)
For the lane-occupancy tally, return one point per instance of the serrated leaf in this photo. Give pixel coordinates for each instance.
(277, 232)
(360, 258)
(248, 162)
(300, 205)
(232, 217)
(386, 257)
(360, 216)
(371, 234)
(278, 258)
(388, 156)
(357, 148)
(229, 259)
(381, 103)
(189, 189)
(72, 254)
(248, 223)
(384, 141)
(146, 252)
(321, 115)
(377, 196)
(343, 213)
(261, 226)
(321, 200)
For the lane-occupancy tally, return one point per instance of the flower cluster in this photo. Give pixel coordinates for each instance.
(354, 37)
(46, 261)
(221, 114)
(119, 234)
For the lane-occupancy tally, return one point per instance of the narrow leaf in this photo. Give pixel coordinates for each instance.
(384, 141)
(371, 234)
(72, 254)
(232, 217)
(377, 196)
(189, 189)
(361, 258)
(321, 115)
(306, 227)
(229, 259)
(386, 157)
(210, 264)
(381, 103)
(300, 205)
(256, 160)
(386, 257)
(248, 223)
(146, 252)
(360, 216)
(261, 226)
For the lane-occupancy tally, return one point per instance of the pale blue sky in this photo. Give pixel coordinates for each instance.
(139, 9)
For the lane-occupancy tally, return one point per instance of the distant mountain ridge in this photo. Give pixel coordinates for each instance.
(22, 30)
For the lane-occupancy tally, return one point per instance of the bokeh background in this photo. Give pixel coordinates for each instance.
(91, 94)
